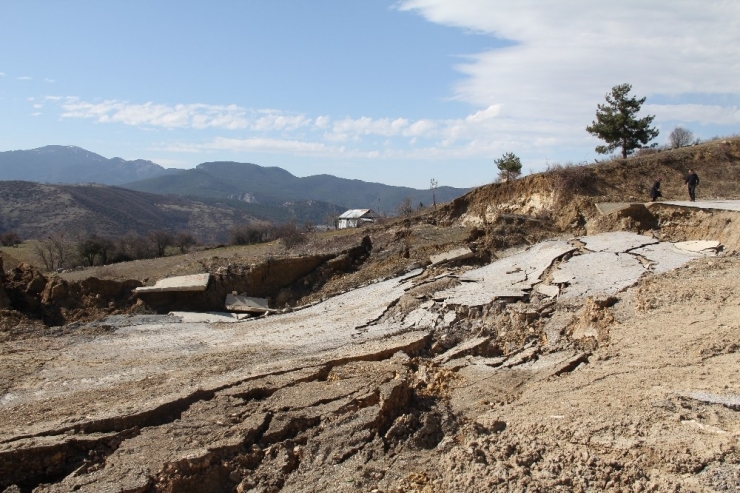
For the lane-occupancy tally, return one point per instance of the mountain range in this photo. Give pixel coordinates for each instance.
(90, 193)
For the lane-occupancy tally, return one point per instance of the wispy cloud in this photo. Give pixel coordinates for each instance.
(564, 56)
(198, 116)
(50, 81)
(25, 77)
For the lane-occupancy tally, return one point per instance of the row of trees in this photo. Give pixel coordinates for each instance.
(62, 250)
(618, 126)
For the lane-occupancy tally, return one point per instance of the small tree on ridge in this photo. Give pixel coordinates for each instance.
(509, 166)
(680, 137)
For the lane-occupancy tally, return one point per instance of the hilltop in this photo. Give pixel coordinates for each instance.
(71, 164)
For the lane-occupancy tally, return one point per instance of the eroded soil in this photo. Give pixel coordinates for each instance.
(415, 383)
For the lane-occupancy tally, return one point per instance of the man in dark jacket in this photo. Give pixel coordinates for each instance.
(655, 191)
(692, 180)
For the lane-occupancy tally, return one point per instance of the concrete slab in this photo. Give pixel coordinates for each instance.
(665, 256)
(606, 208)
(195, 282)
(463, 349)
(731, 401)
(209, 317)
(699, 246)
(456, 254)
(548, 290)
(91, 375)
(421, 319)
(608, 273)
(616, 241)
(725, 205)
(510, 277)
(246, 304)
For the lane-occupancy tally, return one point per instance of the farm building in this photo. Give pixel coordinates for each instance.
(355, 218)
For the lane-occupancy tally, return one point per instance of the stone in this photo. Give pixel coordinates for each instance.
(456, 254)
(246, 304)
(193, 283)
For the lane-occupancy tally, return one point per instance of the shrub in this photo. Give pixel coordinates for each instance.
(290, 235)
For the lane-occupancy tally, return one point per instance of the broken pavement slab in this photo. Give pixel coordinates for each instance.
(664, 257)
(725, 205)
(246, 304)
(606, 208)
(510, 277)
(609, 273)
(699, 246)
(468, 347)
(209, 317)
(615, 242)
(731, 401)
(191, 283)
(456, 254)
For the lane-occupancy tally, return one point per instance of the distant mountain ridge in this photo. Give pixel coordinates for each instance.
(273, 186)
(243, 183)
(71, 164)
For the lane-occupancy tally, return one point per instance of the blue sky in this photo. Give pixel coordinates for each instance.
(397, 92)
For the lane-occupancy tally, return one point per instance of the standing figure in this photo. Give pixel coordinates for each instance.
(692, 180)
(655, 191)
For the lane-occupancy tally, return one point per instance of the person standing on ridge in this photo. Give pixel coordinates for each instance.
(655, 191)
(692, 180)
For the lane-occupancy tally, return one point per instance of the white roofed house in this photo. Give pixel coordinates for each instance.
(354, 218)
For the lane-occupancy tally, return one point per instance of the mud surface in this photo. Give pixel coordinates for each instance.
(538, 372)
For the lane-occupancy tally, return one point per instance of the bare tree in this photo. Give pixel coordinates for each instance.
(680, 137)
(161, 240)
(56, 250)
(10, 238)
(433, 187)
(405, 208)
(184, 240)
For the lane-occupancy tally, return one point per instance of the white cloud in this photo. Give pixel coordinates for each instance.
(275, 120)
(564, 56)
(703, 114)
(197, 116)
(24, 78)
(50, 81)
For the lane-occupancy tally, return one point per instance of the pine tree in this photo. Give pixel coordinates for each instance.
(509, 165)
(617, 125)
